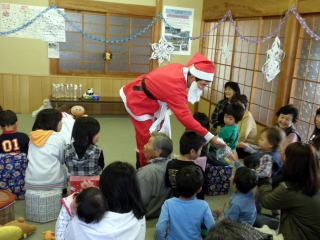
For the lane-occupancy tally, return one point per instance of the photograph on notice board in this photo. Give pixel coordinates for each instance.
(180, 24)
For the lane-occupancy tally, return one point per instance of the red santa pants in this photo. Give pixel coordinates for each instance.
(142, 137)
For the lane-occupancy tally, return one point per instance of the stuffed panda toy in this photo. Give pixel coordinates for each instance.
(88, 94)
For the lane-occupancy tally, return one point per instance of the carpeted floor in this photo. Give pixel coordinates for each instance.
(118, 144)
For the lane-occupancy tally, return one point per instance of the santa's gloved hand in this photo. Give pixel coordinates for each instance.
(218, 142)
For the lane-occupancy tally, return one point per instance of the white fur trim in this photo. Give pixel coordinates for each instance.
(185, 71)
(208, 136)
(200, 74)
(140, 118)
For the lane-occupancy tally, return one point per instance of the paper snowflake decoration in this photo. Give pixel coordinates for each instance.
(225, 51)
(162, 50)
(275, 55)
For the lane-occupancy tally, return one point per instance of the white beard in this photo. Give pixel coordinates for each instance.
(194, 93)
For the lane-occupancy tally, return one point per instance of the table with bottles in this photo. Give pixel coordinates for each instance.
(64, 96)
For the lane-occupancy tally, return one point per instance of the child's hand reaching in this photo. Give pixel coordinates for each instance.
(87, 184)
(231, 156)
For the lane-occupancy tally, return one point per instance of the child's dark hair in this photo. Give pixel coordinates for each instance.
(189, 180)
(83, 132)
(236, 110)
(275, 136)
(289, 109)
(240, 99)
(203, 119)
(191, 140)
(196, 79)
(91, 205)
(7, 118)
(316, 131)
(1, 109)
(234, 86)
(251, 162)
(301, 168)
(47, 119)
(119, 185)
(245, 179)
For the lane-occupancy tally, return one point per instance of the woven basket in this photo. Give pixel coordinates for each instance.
(43, 206)
(6, 206)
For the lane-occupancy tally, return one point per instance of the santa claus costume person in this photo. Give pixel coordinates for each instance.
(149, 98)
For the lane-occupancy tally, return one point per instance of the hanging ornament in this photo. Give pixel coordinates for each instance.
(275, 55)
(162, 50)
(107, 55)
(225, 51)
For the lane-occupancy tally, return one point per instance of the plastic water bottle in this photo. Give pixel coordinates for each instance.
(75, 91)
(80, 91)
(223, 153)
(220, 154)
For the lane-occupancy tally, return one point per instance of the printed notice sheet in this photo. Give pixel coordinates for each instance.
(50, 27)
(181, 21)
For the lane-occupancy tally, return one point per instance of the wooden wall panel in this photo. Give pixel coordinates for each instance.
(24, 93)
(256, 8)
(8, 94)
(35, 92)
(308, 6)
(106, 88)
(16, 98)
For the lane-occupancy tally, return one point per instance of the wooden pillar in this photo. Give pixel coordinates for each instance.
(287, 67)
(157, 29)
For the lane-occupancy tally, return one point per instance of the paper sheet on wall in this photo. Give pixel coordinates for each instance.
(53, 27)
(53, 50)
(50, 27)
(181, 19)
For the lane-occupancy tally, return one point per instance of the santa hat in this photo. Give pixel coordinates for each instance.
(201, 67)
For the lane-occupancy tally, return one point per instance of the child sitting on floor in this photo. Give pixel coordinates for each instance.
(89, 206)
(45, 169)
(83, 157)
(181, 218)
(241, 207)
(203, 119)
(233, 113)
(124, 218)
(266, 159)
(12, 141)
(191, 144)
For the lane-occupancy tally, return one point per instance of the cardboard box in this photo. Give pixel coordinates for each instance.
(76, 181)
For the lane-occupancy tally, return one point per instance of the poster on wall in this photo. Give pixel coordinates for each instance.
(50, 27)
(53, 27)
(181, 22)
(14, 15)
(53, 50)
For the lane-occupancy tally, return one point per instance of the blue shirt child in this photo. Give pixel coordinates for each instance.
(182, 219)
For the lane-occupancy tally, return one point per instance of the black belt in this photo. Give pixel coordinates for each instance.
(143, 88)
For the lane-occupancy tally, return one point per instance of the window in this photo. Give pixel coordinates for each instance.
(81, 54)
(305, 91)
(213, 45)
(244, 65)
(263, 93)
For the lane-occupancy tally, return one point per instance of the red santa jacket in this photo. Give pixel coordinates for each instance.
(167, 84)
